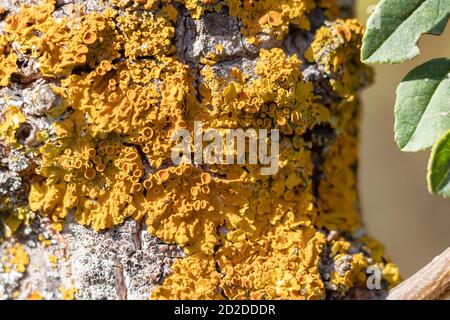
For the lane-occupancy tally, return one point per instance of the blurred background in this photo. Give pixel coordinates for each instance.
(397, 208)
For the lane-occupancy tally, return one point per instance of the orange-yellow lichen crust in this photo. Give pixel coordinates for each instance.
(7, 60)
(125, 91)
(14, 258)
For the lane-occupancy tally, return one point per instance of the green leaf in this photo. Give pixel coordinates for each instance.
(422, 109)
(396, 25)
(439, 167)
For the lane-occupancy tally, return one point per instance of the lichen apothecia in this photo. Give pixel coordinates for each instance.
(121, 86)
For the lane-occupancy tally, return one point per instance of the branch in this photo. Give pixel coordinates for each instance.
(429, 283)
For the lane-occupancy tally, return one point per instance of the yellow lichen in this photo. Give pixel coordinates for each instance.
(53, 260)
(15, 257)
(12, 118)
(58, 45)
(35, 296)
(8, 60)
(19, 216)
(392, 274)
(272, 17)
(125, 92)
(68, 294)
(337, 188)
(148, 33)
(336, 50)
(354, 276)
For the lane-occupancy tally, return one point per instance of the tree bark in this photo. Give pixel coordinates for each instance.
(126, 261)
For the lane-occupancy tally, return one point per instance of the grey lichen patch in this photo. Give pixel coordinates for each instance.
(343, 264)
(14, 5)
(122, 263)
(223, 69)
(17, 160)
(218, 34)
(33, 101)
(214, 30)
(72, 9)
(9, 282)
(14, 166)
(44, 275)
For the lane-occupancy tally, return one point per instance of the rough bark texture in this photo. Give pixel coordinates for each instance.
(54, 251)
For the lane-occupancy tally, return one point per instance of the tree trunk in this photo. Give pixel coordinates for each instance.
(92, 205)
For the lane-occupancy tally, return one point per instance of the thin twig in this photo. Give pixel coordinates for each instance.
(429, 283)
